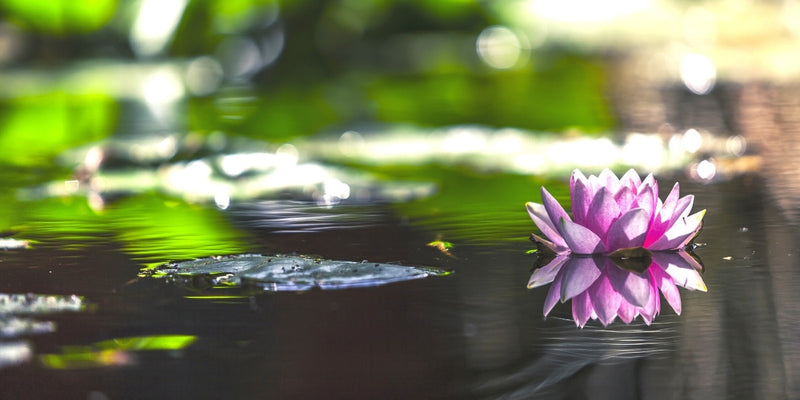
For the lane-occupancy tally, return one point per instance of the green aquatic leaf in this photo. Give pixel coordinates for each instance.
(285, 273)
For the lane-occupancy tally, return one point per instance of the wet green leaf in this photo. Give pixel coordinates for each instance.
(282, 273)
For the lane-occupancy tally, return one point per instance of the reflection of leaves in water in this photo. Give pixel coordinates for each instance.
(280, 273)
(15, 322)
(284, 216)
(480, 208)
(114, 352)
(68, 219)
(152, 227)
(38, 304)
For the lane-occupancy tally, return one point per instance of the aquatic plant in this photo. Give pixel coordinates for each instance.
(610, 214)
(603, 288)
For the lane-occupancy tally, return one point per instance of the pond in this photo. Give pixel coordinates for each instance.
(328, 199)
(476, 332)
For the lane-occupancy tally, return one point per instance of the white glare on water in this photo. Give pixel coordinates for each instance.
(286, 155)
(499, 47)
(155, 24)
(706, 170)
(692, 141)
(736, 145)
(698, 73)
(645, 150)
(203, 76)
(162, 87)
(222, 198)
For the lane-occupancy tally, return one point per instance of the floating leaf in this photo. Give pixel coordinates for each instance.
(281, 272)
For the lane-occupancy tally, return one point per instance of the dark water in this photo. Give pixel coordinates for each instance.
(478, 333)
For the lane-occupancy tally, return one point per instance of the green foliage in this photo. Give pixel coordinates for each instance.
(285, 113)
(60, 17)
(565, 95)
(34, 129)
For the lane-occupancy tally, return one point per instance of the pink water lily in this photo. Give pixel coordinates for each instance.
(601, 290)
(610, 214)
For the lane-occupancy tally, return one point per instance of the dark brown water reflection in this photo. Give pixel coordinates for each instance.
(478, 333)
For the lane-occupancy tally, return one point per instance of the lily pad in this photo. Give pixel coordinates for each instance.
(286, 273)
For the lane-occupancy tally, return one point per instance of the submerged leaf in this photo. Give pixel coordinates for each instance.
(281, 272)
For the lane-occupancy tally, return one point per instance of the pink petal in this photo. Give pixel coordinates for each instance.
(668, 288)
(634, 288)
(626, 199)
(680, 233)
(577, 176)
(627, 312)
(682, 208)
(539, 216)
(554, 209)
(691, 235)
(649, 180)
(594, 184)
(544, 275)
(647, 199)
(653, 306)
(602, 212)
(579, 274)
(682, 272)
(630, 180)
(660, 225)
(609, 180)
(582, 309)
(687, 259)
(670, 202)
(554, 294)
(580, 198)
(629, 230)
(605, 300)
(550, 245)
(580, 239)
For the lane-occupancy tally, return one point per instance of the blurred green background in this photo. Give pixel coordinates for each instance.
(276, 70)
(309, 73)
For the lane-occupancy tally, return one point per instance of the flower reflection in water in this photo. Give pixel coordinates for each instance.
(603, 287)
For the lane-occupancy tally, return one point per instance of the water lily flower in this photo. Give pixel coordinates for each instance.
(611, 214)
(602, 290)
